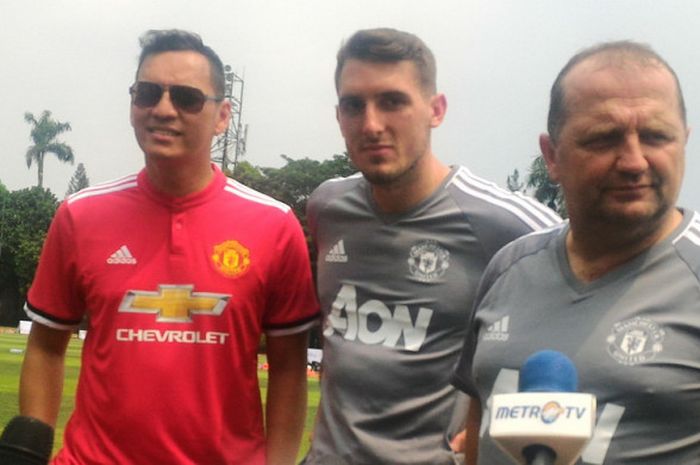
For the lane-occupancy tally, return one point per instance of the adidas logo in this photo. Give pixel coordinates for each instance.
(498, 331)
(337, 253)
(122, 257)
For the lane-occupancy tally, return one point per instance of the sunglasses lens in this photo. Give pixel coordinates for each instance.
(189, 99)
(146, 94)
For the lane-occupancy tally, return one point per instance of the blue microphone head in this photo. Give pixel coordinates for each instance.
(548, 371)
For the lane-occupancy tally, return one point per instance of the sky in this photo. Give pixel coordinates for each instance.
(496, 62)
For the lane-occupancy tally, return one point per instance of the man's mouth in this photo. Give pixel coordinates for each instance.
(631, 190)
(163, 131)
(376, 147)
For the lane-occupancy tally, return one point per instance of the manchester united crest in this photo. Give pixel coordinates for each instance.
(231, 258)
(635, 341)
(428, 261)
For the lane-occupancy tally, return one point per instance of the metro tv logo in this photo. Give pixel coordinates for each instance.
(547, 413)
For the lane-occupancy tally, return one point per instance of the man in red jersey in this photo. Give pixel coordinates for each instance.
(179, 271)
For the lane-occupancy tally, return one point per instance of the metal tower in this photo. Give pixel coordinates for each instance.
(231, 145)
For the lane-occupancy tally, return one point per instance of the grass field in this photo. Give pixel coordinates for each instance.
(11, 355)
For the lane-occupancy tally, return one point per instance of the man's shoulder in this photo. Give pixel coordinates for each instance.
(334, 188)
(253, 199)
(687, 241)
(103, 194)
(525, 247)
(337, 186)
(489, 204)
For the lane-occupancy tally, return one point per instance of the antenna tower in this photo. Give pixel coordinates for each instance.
(231, 145)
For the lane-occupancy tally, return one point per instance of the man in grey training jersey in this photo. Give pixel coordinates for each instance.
(401, 248)
(617, 289)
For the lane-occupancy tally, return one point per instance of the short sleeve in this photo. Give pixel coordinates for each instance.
(54, 297)
(292, 304)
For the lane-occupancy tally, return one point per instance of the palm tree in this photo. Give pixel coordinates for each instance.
(43, 134)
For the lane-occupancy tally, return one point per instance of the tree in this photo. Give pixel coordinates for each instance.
(545, 190)
(79, 180)
(25, 216)
(294, 182)
(44, 132)
(513, 182)
(249, 175)
(539, 185)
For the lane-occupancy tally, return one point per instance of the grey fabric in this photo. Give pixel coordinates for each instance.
(633, 334)
(396, 293)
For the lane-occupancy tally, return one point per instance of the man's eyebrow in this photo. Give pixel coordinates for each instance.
(393, 93)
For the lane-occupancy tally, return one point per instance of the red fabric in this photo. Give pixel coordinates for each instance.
(161, 383)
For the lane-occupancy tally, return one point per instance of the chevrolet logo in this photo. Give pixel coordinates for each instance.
(173, 303)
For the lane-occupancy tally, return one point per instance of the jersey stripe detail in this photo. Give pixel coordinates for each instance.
(52, 322)
(240, 190)
(352, 176)
(530, 205)
(522, 207)
(126, 182)
(110, 183)
(597, 448)
(692, 231)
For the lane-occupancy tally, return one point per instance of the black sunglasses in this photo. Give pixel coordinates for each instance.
(146, 94)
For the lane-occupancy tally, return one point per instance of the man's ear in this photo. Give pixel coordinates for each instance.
(222, 117)
(550, 156)
(438, 105)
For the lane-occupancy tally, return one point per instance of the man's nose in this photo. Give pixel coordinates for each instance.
(372, 122)
(630, 156)
(164, 108)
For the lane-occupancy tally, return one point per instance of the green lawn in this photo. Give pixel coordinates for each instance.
(11, 354)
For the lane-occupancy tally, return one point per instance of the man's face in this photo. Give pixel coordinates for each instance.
(166, 132)
(620, 155)
(385, 117)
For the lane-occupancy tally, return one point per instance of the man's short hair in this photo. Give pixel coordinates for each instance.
(175, 40)
(385, 45)
(618, 52)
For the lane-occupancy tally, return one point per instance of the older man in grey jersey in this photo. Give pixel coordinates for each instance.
(617, 289)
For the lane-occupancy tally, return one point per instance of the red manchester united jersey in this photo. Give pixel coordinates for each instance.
(177, 292)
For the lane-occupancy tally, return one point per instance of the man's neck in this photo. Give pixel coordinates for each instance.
(407, 193)
(593, 252)
(177, 179)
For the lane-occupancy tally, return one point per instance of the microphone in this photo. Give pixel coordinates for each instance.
(547, 422)
(26, 441)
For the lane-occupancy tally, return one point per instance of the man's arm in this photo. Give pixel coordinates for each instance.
(471, 441)
(41, 381)
(286, 397)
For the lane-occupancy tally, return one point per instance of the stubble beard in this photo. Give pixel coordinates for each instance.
(394, 178)
(401, 176)
(635, 226)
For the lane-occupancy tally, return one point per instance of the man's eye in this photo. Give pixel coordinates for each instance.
(600, 141)
(654, 137)
(391, 102)
(351, 107)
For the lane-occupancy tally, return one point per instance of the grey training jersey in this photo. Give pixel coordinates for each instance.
(633, 334)
(396, 293)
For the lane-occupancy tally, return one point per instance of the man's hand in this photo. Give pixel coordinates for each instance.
(458, 442)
